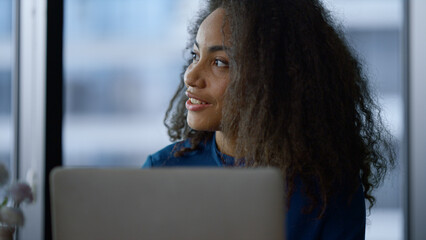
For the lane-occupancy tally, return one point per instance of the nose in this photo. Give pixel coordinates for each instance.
(195, 76)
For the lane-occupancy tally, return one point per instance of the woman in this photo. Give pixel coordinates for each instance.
(272, 83)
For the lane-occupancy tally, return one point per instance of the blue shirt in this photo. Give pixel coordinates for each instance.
(342, 220)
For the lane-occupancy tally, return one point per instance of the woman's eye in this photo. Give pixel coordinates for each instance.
(220, 63)
(195, 57)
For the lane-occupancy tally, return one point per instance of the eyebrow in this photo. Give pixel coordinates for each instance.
(214, 48)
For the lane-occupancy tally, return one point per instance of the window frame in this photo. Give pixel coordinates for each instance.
(37, 100)
(38, 120)
(415, 117)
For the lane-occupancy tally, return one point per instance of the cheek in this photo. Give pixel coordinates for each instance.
(220, 95)
(221, 88)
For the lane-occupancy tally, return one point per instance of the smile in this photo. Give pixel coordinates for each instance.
(196, 105)
(196, 101)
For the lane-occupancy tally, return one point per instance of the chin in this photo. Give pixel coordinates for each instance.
(201, 124)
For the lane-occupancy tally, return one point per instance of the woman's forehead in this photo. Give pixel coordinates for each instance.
(214, 30)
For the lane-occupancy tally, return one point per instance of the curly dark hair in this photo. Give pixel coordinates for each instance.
(298, 94)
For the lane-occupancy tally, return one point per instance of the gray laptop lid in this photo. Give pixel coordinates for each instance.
(178, 203)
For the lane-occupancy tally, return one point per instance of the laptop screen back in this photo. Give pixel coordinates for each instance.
(178, 203)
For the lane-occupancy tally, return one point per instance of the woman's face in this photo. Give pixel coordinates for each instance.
(208, 75)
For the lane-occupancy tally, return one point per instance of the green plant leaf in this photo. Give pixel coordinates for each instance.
(4, 203)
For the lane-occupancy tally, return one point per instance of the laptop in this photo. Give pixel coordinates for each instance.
(167, 203)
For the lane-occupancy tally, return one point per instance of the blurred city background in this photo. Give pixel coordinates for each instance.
(122, 61)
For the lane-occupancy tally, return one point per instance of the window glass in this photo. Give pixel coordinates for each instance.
(122, 63)
(376, 40)
(5, 81)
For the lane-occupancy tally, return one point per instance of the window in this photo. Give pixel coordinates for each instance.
(122, 61)
(6, 82)
(376, 39)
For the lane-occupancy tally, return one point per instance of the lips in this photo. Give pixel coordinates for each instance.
(196, 103)
(195, 99)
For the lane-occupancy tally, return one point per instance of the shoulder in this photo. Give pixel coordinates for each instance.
(202, 156)
(343, 218)
(165, 155)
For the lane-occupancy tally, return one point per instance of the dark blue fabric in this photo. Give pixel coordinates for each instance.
(342, 220)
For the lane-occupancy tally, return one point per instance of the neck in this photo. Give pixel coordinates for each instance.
(224, 144)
